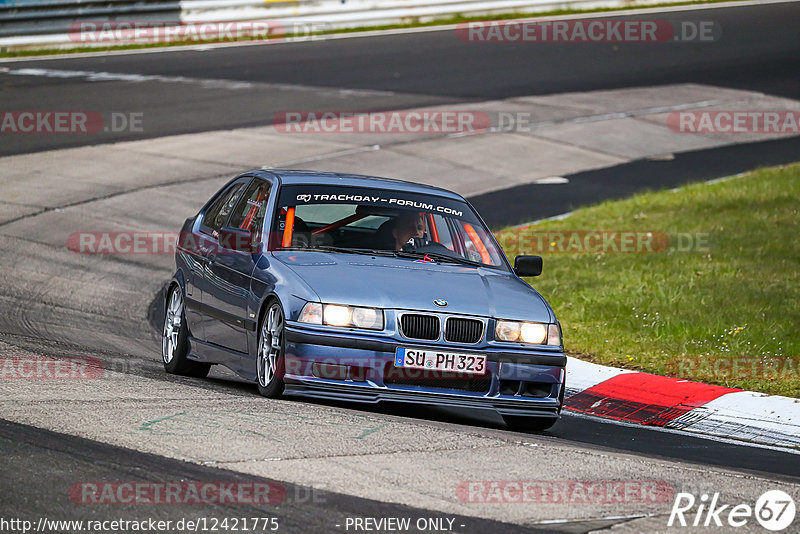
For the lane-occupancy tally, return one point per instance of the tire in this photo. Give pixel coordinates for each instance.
(270, 356)
(529, 424)
(175, 339)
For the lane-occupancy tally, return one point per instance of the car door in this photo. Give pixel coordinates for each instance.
(206, 244)
(229, 272)
(190, 261)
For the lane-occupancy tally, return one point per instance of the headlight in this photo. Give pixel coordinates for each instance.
(506, 331)
(553, 335)
(338, 315)
(312, 313)
(367, 318)
(534, 333)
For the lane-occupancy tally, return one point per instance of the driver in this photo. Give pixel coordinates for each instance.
(406, 227)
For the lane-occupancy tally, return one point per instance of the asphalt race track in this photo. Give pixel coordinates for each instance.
(758, 51)
(334, 461)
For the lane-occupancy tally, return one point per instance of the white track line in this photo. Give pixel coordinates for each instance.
(207, 83)
(607, 518)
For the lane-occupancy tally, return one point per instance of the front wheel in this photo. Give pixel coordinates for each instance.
(175, 342)
(270, 358)
(529, 424)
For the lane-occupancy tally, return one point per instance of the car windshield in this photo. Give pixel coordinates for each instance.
(360, 220)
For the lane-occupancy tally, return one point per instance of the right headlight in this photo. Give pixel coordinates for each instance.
(525, 332)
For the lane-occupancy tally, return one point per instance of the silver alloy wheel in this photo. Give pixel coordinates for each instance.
(172, 325)
(269, 345)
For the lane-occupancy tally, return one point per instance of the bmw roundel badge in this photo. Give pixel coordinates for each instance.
(440, 302)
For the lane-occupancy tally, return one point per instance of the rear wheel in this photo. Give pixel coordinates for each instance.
(529, 424)
(270, 357)
(175, 342)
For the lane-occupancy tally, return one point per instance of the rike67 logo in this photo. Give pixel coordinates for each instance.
(774, 510)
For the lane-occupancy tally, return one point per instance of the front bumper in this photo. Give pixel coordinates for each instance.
(358, 366)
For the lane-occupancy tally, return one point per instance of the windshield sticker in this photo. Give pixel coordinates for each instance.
(378, 200)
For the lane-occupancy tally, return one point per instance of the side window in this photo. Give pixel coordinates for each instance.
(218, 212)
(249, 212)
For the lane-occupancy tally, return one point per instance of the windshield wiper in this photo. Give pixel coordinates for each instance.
(437, 256)
(396, 253)
(347, 250)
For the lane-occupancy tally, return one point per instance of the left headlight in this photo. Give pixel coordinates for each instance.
(339, 315)
(524, 332)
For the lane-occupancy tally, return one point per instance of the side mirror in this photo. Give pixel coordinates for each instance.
(237, 239)
(528, 265)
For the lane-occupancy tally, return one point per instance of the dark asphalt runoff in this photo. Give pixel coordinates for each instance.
(531, 202)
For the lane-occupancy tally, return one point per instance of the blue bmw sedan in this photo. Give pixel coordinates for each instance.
(361, 289)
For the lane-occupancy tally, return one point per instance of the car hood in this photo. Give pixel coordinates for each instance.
(402, 283)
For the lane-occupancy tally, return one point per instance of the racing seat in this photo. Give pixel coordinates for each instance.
(301, 235)
(383, 239)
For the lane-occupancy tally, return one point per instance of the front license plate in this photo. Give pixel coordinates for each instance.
(474, 364)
